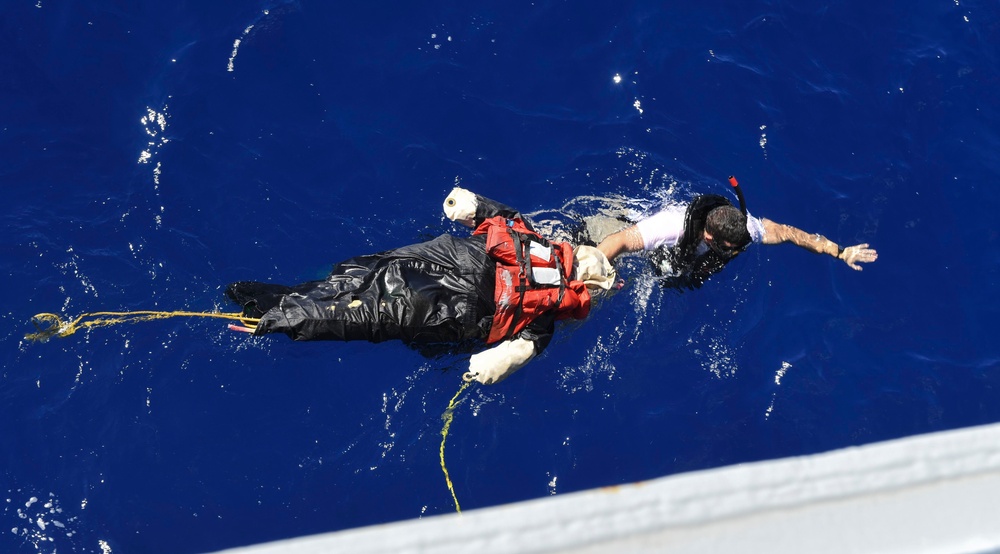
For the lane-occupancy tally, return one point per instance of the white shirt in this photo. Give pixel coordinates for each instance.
(666, 227)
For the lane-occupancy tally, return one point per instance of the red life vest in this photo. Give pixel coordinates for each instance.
(533, 277)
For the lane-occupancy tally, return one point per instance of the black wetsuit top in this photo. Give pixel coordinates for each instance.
(689, 270)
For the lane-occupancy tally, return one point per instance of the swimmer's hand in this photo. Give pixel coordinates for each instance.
(853, 255)
(500, 362)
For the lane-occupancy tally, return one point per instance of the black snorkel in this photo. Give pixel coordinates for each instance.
(739, 194)
(743, 208)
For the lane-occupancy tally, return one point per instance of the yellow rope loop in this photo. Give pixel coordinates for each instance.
(48, 326)
(447, 417)
(51, 325)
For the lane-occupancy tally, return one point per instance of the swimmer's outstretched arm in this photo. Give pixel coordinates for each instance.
(623, 242)
(777, 233)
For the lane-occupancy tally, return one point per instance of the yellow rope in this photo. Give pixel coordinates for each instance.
(448, 416)
(51, 325)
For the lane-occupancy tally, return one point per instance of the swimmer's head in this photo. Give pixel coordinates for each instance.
(726, 230)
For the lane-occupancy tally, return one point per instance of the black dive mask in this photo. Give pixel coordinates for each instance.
(723, 250)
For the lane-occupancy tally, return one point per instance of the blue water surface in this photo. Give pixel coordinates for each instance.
(153, 152)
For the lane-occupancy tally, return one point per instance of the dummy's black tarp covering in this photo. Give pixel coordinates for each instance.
(440, 291)
(436, 296)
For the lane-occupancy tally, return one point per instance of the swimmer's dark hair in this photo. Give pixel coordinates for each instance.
(729, 224)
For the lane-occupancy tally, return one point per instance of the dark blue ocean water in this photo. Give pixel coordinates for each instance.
(153, 152)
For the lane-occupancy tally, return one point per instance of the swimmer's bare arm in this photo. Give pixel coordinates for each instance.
(777, 233)
(624, 241)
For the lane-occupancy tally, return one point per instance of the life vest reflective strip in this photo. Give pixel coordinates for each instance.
(533, 277)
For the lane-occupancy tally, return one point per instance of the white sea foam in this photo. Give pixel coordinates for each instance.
(231, 66)
(777, 381)
(781, 372)
(154, 123)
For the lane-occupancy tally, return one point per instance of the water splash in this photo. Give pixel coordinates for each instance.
(231, 66)
(154, 123)
(267, 19)
(42, 522)
(777, 381)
